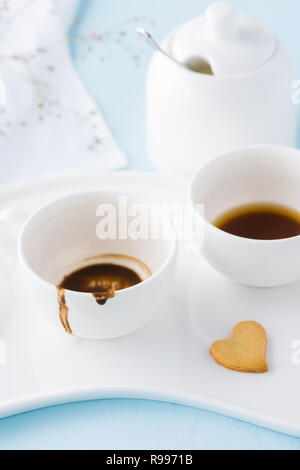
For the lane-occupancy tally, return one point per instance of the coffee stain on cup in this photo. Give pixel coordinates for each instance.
(63, 310)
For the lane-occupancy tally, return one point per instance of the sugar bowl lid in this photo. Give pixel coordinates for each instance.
(231, 42)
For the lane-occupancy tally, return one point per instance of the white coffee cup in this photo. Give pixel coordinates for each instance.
(62, 237)
(264, 174)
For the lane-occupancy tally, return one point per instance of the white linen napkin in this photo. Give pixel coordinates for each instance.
(66, 10)
(49, 123)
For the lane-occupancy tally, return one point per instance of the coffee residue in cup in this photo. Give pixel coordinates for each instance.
(101, 280)
(108, 274)
(261, 222)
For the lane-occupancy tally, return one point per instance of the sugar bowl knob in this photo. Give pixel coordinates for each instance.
(222, 20)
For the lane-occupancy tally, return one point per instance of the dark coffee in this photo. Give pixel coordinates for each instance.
(101, 280)
(261, 222)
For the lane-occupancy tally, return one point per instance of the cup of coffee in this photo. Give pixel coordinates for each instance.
(250, 201)
(92, 265)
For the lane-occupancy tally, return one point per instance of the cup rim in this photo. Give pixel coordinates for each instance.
(242, 153)
(26, 265)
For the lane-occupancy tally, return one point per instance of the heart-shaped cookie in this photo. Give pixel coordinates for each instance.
(245, 350)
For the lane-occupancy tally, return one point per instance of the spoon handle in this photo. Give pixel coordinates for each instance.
(146, 36)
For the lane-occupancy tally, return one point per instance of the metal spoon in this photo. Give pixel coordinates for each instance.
(196, 64)
(146, 36)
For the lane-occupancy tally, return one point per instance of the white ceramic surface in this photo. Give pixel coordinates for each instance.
(194, 117)
(167, 360)
(255, 175)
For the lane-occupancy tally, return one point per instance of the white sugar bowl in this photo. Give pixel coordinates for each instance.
(234, 90)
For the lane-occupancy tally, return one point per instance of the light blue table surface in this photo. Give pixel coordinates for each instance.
(113, 69)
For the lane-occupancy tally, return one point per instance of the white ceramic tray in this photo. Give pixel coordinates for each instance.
(169, 359)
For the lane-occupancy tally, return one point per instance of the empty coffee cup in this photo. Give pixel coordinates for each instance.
(85, 230)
